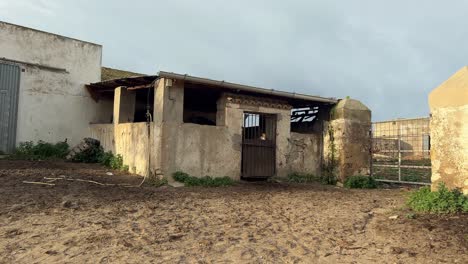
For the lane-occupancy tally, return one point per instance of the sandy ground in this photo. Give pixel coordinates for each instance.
(77, 222)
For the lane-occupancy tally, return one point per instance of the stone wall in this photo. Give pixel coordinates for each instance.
(449, 132)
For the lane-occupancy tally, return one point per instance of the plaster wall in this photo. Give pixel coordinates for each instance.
(105, 134)
(449, 132)
(53, 103)
(305, 153)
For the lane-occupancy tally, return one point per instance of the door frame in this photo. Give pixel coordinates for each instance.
(252, 139)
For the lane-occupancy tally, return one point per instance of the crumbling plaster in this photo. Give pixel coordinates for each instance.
(449, 132)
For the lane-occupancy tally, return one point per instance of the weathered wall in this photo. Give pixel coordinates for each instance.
(53, 104)
(133, 144)
(105, 134)
(305, 153)
(347, 139)
(449, 132)
(207, 150)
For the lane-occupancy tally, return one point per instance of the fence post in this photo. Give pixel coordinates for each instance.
(399, 151)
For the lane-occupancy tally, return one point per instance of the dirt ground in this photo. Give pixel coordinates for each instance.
(77, 221)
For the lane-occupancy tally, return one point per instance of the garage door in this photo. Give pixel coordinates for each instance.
(9, 87)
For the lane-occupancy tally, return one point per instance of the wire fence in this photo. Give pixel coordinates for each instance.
(401, 151)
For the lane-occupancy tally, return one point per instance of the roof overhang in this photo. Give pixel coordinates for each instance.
(132, 83)
(246, 88)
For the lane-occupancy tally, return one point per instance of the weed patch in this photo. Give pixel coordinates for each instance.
(206, 181)
(40, 151)
(442, 201)
(96, 154)
(156, 181)
(308, 177)
(360, 182)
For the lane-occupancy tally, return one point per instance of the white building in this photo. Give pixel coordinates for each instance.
(42, 93)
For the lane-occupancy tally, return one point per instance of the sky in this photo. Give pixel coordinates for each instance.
(387, 54)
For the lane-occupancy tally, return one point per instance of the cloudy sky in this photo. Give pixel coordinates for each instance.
(388, 54)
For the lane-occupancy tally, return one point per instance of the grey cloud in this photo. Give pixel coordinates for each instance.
(389, 54)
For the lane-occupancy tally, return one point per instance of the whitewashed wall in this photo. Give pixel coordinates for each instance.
(53, 103)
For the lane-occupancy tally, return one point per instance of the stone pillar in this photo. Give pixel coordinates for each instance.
(449, 132)
(124, 105)
(347, 139)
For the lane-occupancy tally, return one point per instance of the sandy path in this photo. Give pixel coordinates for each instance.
(78, 222)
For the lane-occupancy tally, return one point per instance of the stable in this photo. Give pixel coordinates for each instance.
(172, 122)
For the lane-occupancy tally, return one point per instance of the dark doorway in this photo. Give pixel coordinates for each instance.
(258, 145)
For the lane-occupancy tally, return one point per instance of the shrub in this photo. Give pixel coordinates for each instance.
(360, 182)
(308, 177)
(302, 178)
(116, 163)
(40, 151)
(206, 181)
(441, 201)
(156, 181)
(96, 154)
(93, 154)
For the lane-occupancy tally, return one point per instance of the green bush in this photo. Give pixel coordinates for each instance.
(441, 201)
(308, 177)
(302, 178)
(40, 151)
(360, 182)
(96, 154)
(93, 154)
(156, 181)
(206, 181)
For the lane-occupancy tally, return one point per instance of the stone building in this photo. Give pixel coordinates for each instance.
(172, 122)
(53, 88)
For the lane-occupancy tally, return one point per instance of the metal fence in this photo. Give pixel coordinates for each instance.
(401, 151)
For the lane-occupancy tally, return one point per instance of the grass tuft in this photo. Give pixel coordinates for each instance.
(206, 181)
(360, 182)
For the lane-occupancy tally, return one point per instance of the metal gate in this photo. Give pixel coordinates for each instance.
(258, 145)
(9, 86)
(401, 151)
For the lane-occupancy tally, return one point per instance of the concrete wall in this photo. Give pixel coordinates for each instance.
(105, 134)
(53, 103)
(206, 150)
(449, 132)
(305, 153)
(347, 139)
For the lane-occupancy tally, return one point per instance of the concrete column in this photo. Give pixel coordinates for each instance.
(168, 117)
(169, 101)
(449, 132)
(124, 105)
(347, 139)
